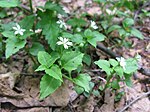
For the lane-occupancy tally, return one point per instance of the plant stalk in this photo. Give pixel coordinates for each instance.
(31, 8)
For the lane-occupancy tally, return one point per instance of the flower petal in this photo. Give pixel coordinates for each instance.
(69, 43)
(59, 43)
(61, 39)
(65, 46)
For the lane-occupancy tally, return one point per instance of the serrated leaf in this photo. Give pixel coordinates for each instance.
(55, 72)
(83, 81)
(48, 85)
(13, 46)
(50, 28)
(71, 60)
(9, 3)
(105, 65)
(36, 47)
(136, 33)
(29, 20)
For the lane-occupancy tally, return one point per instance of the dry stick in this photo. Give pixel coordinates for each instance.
(109, 52)
(136, 99)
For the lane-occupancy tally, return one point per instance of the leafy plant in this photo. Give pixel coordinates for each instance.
(61, 45)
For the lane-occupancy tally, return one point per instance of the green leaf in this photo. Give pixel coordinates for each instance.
(96, 92)
(9, 3)
(136, 33)
(79, 89)
(113, 62)
(131, 66)
(13, 46)
(96, 37)
(128, 22)
(128, 80)
(115, 84)
(48, 85)
(44, 58)
(104, 65)
(112, 28)
(8, 34)
(77, 38)
(54, 72)
(71, 60)
(50, 28)
(88, 33)
(36, 47)
(7, 26)
(27, 22)
(83, 80)
(77, 22)
(41, 68)
(119, 71)
(87, 59)
(54, 7)
(3, 13)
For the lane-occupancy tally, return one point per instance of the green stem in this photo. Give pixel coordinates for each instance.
(68, 78)
(31, 8)
(108, 82)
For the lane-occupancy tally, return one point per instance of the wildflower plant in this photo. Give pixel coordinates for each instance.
(65, 51)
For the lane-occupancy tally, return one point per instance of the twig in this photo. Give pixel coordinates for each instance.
(136, 99)
(109, 52)
(144, 71)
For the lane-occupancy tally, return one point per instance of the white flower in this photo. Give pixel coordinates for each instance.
(38, 31)
(111, 12)
(65, 42)
(18, 29)
(122, 62)
(62, 24)
(93, 25)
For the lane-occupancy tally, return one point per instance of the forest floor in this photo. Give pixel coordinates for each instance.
(19, 84)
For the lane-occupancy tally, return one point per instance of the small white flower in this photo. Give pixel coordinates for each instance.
(65, 42)
(18, 29)
(78, 29)
(111, 12)
(122, 62)
(62, 24)
(93, 25)
(38, 31)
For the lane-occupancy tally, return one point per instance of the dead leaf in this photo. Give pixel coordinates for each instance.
(108, 105)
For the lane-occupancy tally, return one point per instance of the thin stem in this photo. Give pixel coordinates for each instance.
(108, 82)
(31, 8)
(67, 78)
